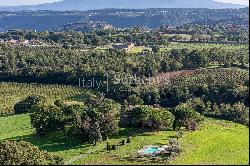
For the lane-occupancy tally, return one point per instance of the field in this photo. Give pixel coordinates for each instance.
(194, 46)
(216, 142)
(139, 49)
(10, 93)
(216, 75)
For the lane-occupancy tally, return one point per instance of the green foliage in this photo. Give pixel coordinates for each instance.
(103, 112)
(25, 105)
(24, 153)
(199, 105)
(186, 116)
(216, 76)
(210, 85)
(237, 112)
(196, 59)
(148, 117)
(81, 121)
(59, 103)
(95, 133)
(46, 119)
(135, 100)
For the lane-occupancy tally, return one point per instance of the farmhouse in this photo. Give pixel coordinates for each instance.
(35, 42)
(126, 47)
(25, 42)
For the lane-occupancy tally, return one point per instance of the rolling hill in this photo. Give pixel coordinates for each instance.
(121, 18)
(83, 5)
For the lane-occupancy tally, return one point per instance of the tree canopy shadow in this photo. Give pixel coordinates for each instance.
(54, 144)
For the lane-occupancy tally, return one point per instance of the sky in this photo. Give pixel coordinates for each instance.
(29, 2)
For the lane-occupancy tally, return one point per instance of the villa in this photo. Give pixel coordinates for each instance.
(126, 47)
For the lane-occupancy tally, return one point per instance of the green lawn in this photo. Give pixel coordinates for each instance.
(217, 142)
(139, 49)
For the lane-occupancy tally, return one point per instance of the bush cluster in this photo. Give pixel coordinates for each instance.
(148, 117)
(24, 153)
(237, 112)
(92, 121)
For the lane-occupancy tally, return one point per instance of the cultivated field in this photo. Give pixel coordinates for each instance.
(11, 93)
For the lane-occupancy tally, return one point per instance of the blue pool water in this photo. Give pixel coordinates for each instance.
(151, 150)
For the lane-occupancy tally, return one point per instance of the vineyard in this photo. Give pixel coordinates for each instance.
(221, 47)
(11, 93)
(35, 49)
(214, 76)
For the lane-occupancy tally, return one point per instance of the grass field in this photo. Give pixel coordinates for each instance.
(11, 93)
(139, 49)
(217, 142)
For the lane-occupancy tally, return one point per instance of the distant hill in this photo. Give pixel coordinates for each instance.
(83, 5)
(119, 18)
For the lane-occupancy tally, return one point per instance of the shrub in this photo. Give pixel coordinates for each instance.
(237, 112)
(198, 105)
(59, 103)
(174, 149)
(24, 153)
(70, 111)
(46, 119)
(25, 105)
(135, 100)
(149, 117)
(186, 116)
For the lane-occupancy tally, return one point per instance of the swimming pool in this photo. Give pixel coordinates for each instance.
(150, 151)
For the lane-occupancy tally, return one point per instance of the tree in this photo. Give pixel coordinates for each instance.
(237, 112)
(155, 49)
(24, 153)
(47, 119)
(196, 59)
(185, 116)
(95, 133)
(25, 105)
(135, 100)
(155, 119)
(107, 116)
(103, 111)
(198, 105)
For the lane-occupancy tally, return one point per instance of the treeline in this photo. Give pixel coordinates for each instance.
(65, 66)
(218, 33)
